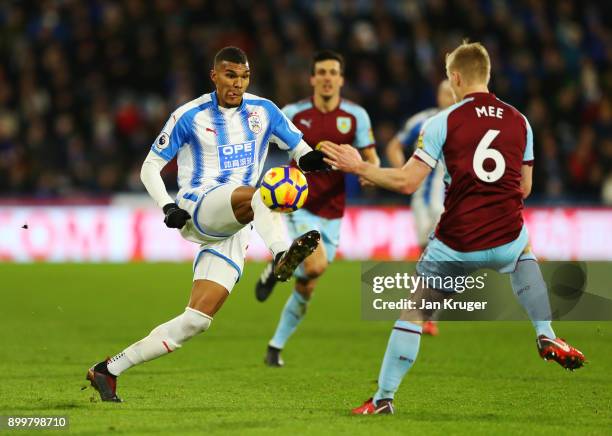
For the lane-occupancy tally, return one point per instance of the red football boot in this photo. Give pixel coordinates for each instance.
(430, 328)
(103, 382)
(382, 407)
(560, 351)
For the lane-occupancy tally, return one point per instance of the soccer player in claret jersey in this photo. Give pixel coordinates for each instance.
(427, 202)
(323, 117)
(220, 140)
(487, 146)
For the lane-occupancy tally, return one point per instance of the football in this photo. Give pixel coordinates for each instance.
(284, 189)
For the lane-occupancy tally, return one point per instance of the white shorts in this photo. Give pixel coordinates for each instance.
(222, 261)
(212, 216)
(223, 240)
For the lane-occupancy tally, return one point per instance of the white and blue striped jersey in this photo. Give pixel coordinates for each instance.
(215, 145)
(431, 191)
(410, 131)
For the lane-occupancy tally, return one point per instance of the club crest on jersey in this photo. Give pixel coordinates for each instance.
(343, 124)
(254, 123)
(162, 141)
(420, 139)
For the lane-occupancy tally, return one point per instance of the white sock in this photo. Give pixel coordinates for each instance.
(162, 340)
(268, 225)
(119, 363)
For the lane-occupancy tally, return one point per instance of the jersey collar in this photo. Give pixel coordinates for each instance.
(318, 110)
(215, 101)
(479, 94)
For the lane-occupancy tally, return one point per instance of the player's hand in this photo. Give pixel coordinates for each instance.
(342, 156)
(176, 217)
(322, 143)
(313, 161)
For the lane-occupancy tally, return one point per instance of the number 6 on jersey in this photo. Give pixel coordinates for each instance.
(482, 153)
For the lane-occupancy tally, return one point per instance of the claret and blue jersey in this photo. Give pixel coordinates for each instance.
(216, 145)
(349, 123)
(483, 142)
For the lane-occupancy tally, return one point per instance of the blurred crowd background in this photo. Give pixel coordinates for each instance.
(86, 85)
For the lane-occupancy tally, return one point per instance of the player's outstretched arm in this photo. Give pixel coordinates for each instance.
(370, 155)
(405, 180)
(175, 217)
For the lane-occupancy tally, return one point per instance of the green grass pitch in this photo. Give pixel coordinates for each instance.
(477, 378)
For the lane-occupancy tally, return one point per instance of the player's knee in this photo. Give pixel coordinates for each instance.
(241, 204)
(417, 316)
(306, 293)
(315, 268)
(213, 280)
(305, 287)
(527, 274)
(423, 312)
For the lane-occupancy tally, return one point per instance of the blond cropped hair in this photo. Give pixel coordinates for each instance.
(472, 61)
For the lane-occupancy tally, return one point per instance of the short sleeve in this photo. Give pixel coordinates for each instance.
(176, 132)
(528, 155)
(431, 140)
(364, 137)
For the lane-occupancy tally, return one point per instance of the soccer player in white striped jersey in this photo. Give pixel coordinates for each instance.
(220, 141)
